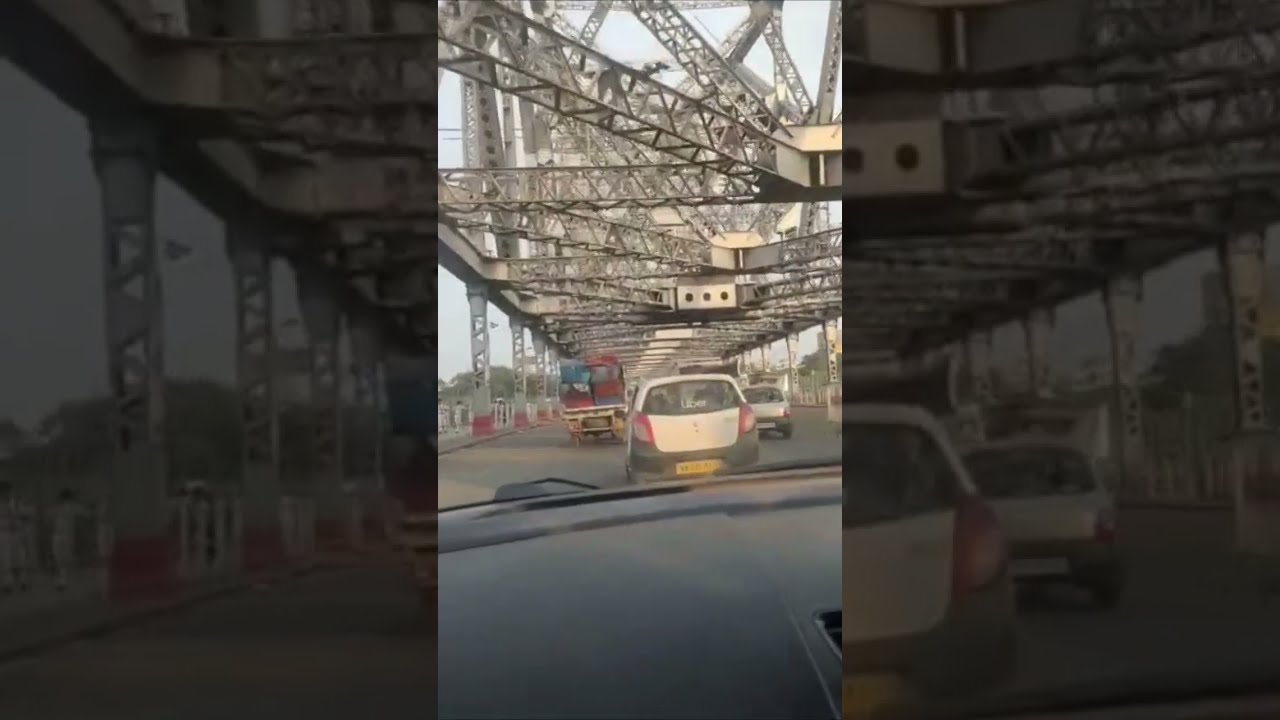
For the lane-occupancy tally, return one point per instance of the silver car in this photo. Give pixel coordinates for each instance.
(1057, 513)
(773, 412)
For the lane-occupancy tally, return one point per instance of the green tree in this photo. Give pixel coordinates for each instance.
(203, 432)
(502, 384)
(1201, 366)
(203, 436)
(13, 438)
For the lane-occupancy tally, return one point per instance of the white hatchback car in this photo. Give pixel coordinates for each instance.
(928, 602)
(1058, 514)
(773, 412)
(690, 425)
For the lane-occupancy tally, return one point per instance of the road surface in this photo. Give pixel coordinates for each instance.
(353, 643)
(1192, 608)
(338, 644)
(474, 473)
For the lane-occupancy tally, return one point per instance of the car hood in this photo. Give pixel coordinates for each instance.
(691, 604)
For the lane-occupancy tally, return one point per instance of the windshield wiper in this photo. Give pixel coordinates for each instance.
(545, 487)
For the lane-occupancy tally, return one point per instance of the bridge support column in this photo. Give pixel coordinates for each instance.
(977, 352)
(481, 396)
(977, 361)
(411, 465)
(359, 16)
(1243, 269)
(323, 324)
(322, 17)
(1037, 331)
(366, 482)
(408, 391)
(830, 338)
(1122, 299)
(553, 370)
(262, 545)
(793, 366)
(269, 20)
(540, 386)
(520, 402)
(143, 557)
(1251, 451)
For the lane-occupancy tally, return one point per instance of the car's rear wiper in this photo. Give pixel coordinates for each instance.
(545, 487)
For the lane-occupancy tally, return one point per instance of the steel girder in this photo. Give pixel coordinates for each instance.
(598, 253)
(349, 116)
(569, 188)
(1167, 145)
(719, 81)
(1126, 40)
(345, 119)
(578, 82)
(684, 4)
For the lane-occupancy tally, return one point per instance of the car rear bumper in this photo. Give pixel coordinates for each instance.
(603, 420)
(779, 424)
(1085, 560)
(648, 460)
(974, 648)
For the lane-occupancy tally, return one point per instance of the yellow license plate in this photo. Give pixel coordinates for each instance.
(698, 467)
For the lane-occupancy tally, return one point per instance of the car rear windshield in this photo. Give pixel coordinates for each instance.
(894, 471)
(691, 397)
(1030, 472)
(763, 395)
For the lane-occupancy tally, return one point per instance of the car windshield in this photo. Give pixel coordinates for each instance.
(690, 397)
(763, 395)
(1030, 472)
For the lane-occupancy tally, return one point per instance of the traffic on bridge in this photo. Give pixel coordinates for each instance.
(216, 435)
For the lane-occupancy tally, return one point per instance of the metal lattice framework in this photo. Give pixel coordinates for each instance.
(1152, 138)
(634, 191)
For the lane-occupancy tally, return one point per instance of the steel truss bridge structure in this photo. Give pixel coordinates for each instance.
(636, 218)
(309, 127)
(1004, 157)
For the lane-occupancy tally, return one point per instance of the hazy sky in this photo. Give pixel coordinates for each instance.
(51, 315)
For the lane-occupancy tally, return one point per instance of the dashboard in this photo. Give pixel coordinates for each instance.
(706, 599)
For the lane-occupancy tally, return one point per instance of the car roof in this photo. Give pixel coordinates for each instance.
(673, 379)
(675, 600)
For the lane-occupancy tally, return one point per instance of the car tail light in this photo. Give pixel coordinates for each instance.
(979, 547)
(642, 429)
(746, 419)
(1104, 526)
